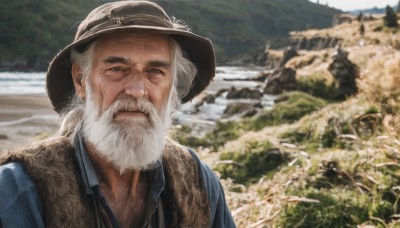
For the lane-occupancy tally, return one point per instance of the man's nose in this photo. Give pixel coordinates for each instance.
(135, 86)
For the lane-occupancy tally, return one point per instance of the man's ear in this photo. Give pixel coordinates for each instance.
(79, 81)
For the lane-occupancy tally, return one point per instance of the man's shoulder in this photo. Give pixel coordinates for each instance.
(13, 181)
(22, 169)
(11, 170)
(39, 152)
(178, 154)
(207, 175)
(220, 214)
(20, 205)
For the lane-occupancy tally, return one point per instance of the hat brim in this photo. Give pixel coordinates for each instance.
(199, 50)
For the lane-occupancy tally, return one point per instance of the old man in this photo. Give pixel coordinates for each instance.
(116, 87)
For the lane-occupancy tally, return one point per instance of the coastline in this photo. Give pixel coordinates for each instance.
(25, 118)
(29, 117)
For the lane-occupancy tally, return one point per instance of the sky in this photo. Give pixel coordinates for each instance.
(347, 5)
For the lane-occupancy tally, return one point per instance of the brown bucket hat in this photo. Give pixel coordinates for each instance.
(136, 16)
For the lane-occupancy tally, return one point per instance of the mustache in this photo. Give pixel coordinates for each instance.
(134, 105)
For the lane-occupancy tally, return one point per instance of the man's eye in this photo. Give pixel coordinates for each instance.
(116, 69)
(155, 71)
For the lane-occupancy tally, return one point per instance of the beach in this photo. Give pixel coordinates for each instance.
(25, 118)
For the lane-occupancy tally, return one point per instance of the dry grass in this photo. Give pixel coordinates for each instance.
(381, 77)
(349, 33)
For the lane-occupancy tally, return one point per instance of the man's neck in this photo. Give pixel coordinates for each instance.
(126, 193)
(108, 174)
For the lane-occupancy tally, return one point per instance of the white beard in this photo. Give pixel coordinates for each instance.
(131, 144)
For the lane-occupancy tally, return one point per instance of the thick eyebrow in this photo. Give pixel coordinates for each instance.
(114, 59)
(159, 63)
(154, 63)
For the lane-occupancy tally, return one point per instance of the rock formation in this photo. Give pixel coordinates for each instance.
(244, 108)
(345, 74)
(284, 80)
(244, 93)
(291, 45)
(289, 53)
(305, 43)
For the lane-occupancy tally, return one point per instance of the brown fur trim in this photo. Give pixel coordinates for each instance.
(185, 193)
(50, 165)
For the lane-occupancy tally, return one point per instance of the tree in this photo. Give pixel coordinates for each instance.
(398, 7)
(360, 17)
(390, 19)
(362, 29)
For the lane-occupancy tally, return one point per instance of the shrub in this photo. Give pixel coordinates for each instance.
(223, 132)
(363, 126)
(247, 165)
(360, 17)
(183, 136)
(390, 19)
(295, 105)
(329, 212)
(361, 30)
(318, 87)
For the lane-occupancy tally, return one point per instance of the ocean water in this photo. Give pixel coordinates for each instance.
(22, 83)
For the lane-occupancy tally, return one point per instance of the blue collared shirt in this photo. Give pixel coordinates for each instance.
(20, 205)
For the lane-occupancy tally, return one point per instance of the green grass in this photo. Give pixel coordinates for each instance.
(331, 211)
(247, 165)
(317, 87)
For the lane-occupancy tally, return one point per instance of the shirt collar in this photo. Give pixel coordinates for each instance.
(89, 178)
(88, 174)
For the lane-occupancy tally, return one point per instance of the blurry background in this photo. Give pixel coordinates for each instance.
(301, 122)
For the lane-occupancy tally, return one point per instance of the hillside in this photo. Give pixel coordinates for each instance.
(238, 26)
(36, 30)
(316, 160)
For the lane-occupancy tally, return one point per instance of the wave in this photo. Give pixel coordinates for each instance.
(22, 83)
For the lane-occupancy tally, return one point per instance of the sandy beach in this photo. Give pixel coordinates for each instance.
(25, 118)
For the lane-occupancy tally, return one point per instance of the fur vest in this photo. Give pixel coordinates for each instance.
(51, 166)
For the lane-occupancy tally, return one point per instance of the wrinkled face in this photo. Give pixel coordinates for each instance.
(134, 66)
(128, 98)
